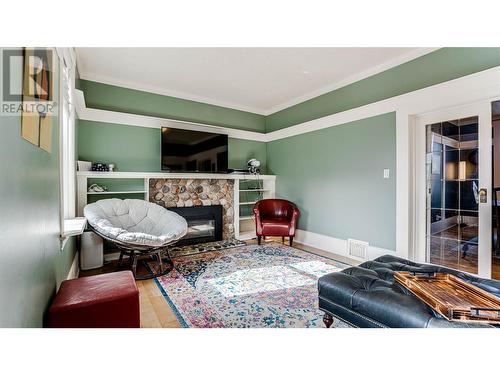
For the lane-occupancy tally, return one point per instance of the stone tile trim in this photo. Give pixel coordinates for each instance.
(175, 192)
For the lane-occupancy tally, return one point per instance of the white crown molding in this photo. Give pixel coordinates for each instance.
(474, 87)
(162, 91)
(416, 53)
(99, 115)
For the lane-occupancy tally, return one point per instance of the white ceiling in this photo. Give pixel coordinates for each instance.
(259, 80)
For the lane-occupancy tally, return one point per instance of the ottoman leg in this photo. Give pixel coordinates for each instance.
(328, 320)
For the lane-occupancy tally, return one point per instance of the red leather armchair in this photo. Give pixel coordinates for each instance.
(275, 217)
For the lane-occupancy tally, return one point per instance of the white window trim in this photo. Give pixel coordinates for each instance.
(70, 225)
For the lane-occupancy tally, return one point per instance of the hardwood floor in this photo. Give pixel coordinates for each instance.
(155, 311)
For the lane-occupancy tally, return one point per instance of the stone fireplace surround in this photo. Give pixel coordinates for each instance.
(189, 192)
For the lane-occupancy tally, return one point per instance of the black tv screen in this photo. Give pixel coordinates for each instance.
(193, 151)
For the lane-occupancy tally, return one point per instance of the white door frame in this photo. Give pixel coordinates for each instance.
(483, 111)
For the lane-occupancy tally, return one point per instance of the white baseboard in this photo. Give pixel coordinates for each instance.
(74, 270)
(335, 245)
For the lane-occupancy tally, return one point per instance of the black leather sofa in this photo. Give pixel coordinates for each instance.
(367, 296)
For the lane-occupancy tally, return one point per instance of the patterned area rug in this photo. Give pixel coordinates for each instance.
(204, 247)
(248, 287)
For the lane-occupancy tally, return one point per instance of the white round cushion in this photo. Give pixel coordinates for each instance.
(135, 222)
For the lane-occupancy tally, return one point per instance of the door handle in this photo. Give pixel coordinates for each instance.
(483, 195)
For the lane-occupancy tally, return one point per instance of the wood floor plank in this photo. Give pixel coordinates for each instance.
(164, 314)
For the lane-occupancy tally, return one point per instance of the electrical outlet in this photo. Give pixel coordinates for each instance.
(387, 173)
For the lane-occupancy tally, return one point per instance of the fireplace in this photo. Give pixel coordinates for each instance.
(173, 193)
(204, 223)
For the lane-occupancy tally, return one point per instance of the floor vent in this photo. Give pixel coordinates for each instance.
(357, 248)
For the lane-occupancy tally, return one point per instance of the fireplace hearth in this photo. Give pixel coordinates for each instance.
(204, 224)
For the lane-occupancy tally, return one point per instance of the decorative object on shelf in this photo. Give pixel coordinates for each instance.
(111, 167)
(84, 166)
(95, 188)
(100, 167)
(253, 166)
(237, 171)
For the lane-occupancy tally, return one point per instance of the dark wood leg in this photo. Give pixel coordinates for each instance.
(134, 263)
(291, 240)
(282, 239)
(120, 260)
(328, 320)
(258, 240)
(160, 262)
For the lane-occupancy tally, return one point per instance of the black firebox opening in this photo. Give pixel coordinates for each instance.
(204, 224)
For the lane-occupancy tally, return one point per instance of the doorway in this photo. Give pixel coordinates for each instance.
(454, 186)
(495, 241)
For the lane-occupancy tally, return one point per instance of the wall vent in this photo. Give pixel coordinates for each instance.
(357, 248)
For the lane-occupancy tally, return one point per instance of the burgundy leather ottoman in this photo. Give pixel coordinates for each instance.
(104, 301)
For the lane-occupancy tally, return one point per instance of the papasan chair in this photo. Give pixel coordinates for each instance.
(139, 229)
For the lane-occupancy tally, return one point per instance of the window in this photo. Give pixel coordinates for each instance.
(67, 69)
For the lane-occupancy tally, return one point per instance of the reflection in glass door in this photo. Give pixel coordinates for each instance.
(452, 195)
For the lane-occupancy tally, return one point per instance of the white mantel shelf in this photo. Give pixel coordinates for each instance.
(244, 230)
(224, 176)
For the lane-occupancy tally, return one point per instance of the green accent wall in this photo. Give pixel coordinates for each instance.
(32, 263)
(114, 98)
(335, 176)
(138, 149)
(442, 65)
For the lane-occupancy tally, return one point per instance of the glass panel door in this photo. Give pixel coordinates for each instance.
(452, 193)
(453, 188)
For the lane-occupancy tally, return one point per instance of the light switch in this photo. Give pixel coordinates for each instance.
(387, 173)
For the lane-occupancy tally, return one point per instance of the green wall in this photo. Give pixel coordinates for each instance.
(137, 149)
(114, 98)
(32, 262)
(439, 66)
(335, 176)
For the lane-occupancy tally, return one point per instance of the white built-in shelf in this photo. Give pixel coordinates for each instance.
(246, 217)
(244, 225)
(116, 192)
(257, 190)
(146, 175)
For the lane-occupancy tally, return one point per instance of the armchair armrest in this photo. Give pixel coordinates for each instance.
(293, 222)
(258, 224)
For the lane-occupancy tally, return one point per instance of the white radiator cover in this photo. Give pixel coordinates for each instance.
(357, 249)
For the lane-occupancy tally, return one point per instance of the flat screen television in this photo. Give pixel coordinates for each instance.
(193, 151)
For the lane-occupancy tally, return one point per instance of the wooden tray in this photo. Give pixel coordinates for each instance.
(452, 297)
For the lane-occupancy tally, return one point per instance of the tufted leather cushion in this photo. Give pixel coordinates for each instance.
(135, 222)
(368, 296)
